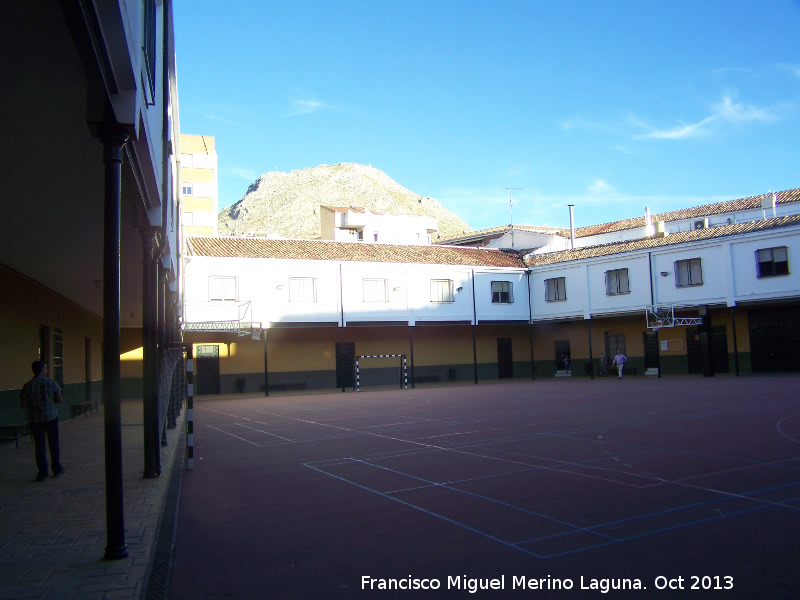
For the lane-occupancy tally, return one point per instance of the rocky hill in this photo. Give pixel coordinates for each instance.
(287, 204)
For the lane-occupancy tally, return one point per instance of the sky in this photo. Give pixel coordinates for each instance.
(609, 106)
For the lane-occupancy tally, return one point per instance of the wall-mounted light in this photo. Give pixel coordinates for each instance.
(460, 289)
(664, 273)
(396, 289)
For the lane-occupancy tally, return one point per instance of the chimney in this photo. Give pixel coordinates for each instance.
(648, 223)
(571, 227)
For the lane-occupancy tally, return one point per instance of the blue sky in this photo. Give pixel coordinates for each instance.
(611, 106)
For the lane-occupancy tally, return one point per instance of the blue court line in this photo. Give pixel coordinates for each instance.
(573, 528)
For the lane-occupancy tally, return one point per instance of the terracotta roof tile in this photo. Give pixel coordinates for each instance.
(340, 251)
(695, 235)
(705, 210)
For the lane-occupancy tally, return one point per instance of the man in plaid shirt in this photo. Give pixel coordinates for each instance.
(40, 396)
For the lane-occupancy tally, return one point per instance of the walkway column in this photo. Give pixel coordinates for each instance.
(150, 354)
(114, 140)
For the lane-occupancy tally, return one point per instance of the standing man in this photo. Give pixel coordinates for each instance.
(619, 361)
(603, 365)
(40, 396)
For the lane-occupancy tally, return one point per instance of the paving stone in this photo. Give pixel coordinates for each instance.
(59, 524)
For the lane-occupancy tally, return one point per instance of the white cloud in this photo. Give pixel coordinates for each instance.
(304, 106)
(679, 132)
(728, 110)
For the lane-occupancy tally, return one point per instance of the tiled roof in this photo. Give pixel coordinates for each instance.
(503, 229)
(695, 235)
(705, 210)
(349, 251)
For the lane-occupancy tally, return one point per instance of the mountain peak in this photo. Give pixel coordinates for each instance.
(287, 204)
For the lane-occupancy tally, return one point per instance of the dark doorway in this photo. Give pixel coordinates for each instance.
(651, 350)
(345, 364)
(695, 364)
(615, 341)
(719, 349)
(207, 376)
(505, 360)
(774, 338)
(563, 357)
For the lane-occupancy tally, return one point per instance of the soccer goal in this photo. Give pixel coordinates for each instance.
(381, 370)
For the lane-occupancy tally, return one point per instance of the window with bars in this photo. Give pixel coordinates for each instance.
(375, 290)
(617, 282)
(771, 262)
(688, 272)
(555, 289)
(442, 290)
(302, 289)
(502, 292)
(222, 289)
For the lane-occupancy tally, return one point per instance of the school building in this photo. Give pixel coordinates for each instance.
(267, 315)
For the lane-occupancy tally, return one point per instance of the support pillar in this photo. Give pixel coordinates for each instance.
(150, 355)
(411, 348)
(591, 358)
(475, 351)
(735, 343)
(114, 140)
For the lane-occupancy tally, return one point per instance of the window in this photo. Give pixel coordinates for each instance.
(502, 292)
(222, 289)
(187, 189)
(772, 261)
(688, 272)
(359, 236)
(58, 357)
(442, 290)
(149, 45)
(375, 290)
(302, 289)
(617, 282)
(555, 289)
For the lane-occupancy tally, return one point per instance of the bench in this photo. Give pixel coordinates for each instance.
(83, 408)
(12, 431)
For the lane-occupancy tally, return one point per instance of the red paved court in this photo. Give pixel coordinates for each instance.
(537, 487)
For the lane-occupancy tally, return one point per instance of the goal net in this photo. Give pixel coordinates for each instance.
(381, 371)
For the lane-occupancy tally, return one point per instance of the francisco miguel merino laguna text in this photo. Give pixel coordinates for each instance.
(518, 582)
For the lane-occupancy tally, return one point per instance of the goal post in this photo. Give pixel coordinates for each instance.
(381, 370)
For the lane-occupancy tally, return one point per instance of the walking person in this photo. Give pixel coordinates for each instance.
(39, 397)
(603, 365)
(619, 361)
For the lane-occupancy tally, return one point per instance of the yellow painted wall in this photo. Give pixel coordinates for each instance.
(191, 174)
(198, 204)
(27, 305)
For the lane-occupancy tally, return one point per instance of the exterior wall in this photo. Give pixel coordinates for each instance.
(342, 226)
(24, 310)
(199, 170)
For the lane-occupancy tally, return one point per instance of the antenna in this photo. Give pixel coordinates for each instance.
(511, 209)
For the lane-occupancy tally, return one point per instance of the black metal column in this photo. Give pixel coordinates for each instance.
(735, 343)
(113, 142)
(591, 358)
(150, 354)
(411, 348)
